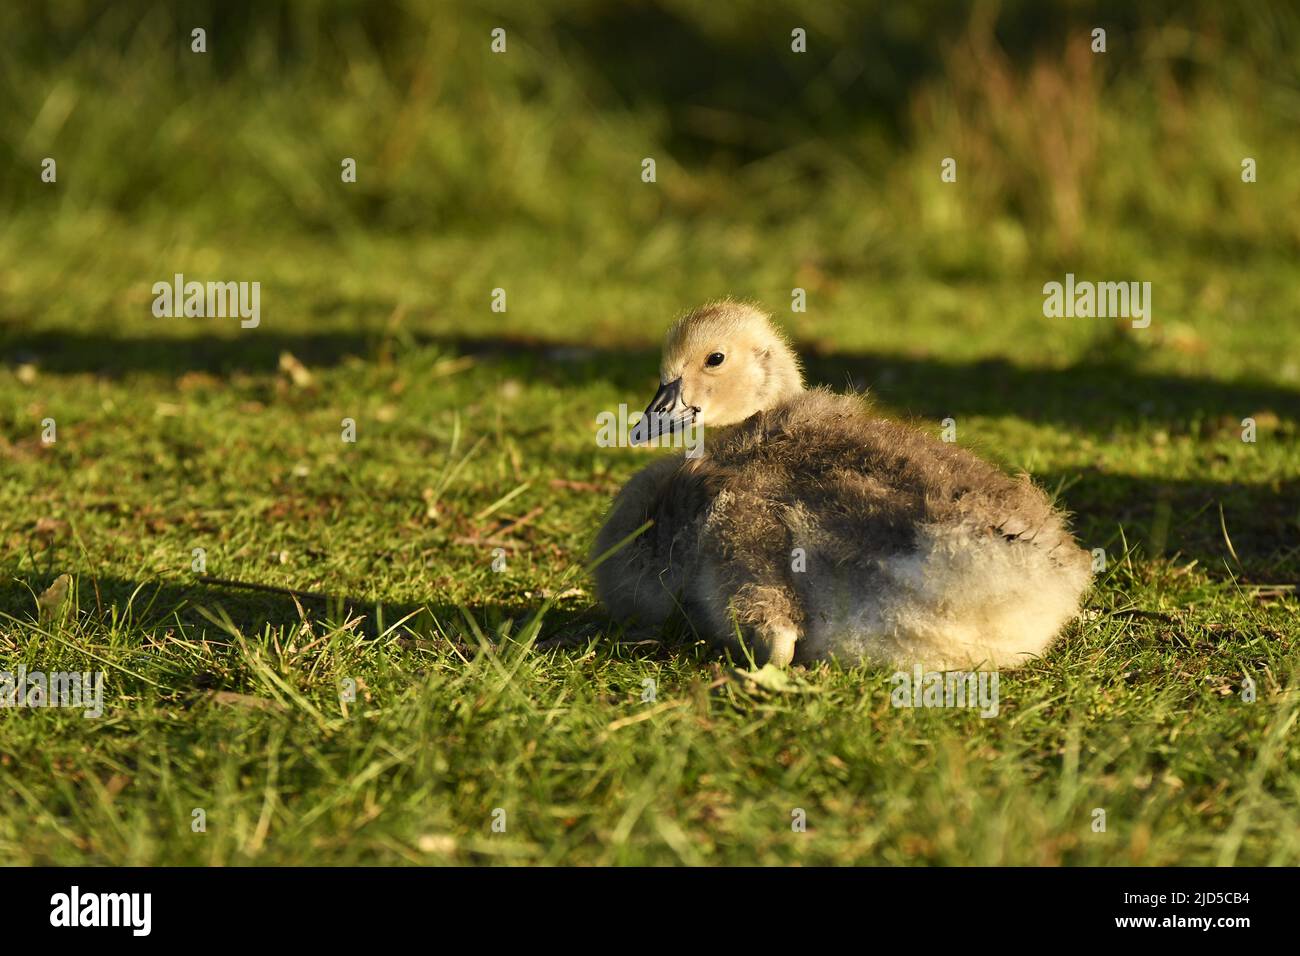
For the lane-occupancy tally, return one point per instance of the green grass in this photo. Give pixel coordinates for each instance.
(479, 689)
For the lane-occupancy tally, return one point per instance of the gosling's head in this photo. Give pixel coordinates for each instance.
(722, 363)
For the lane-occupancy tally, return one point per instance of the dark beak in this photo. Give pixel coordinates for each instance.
(665, 414)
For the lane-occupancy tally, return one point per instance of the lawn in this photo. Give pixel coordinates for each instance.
(387, 650)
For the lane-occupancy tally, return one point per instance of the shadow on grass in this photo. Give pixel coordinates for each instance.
(1100, 395)
(157, 605)
(1246, 530)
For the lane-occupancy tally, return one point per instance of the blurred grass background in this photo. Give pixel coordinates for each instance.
(775, 170)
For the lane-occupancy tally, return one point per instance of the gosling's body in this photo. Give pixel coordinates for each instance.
(814, 529)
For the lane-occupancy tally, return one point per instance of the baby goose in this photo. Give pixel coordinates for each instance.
(809, 529)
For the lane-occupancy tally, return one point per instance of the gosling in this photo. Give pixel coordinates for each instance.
(808, 529)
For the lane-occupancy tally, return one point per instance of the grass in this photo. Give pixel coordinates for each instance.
(479, 690)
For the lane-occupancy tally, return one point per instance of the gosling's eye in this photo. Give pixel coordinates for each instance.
(714, 360)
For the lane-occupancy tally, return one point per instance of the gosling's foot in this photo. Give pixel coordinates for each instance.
(774, 643)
